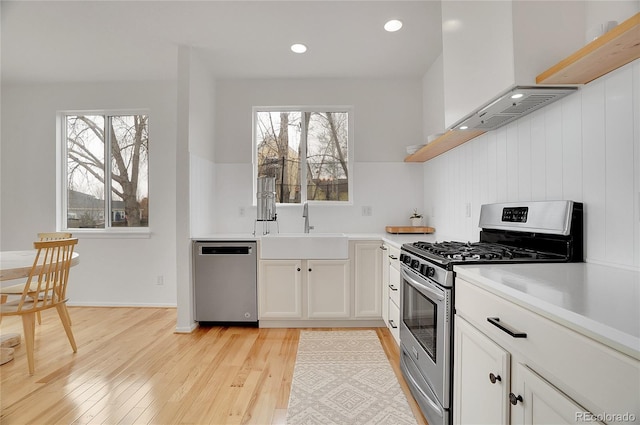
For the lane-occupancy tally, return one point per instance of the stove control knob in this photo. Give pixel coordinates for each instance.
(431, 272)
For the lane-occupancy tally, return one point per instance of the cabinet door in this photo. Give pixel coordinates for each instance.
(280, 289)
(481, 378)
(542, 403)
(367, 280)
(328, 288)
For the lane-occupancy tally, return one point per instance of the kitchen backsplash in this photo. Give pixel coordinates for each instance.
(585, 148)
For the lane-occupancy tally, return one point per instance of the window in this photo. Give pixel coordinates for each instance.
(308, 151)
(106, 170)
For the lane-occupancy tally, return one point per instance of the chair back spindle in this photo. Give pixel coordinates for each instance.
(47, 282)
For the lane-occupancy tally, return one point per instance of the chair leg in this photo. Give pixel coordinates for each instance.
(29, 327)
(39, 318)
(64, 318)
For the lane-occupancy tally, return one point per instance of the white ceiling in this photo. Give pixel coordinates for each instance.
(70, 41)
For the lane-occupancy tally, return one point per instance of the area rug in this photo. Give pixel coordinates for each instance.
(344, 378)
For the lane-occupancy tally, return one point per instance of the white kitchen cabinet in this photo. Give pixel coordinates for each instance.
(488, 47)
(542, 403)
(391, 290)
(367, 278)
(286, 287)
(280, 289)
(385, 278)
(328, 289)
(554, 373)
(482, 383)
(482, 389)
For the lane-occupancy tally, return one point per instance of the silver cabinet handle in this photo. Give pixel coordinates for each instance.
(393, 324)
(393, 288)
(495, 321)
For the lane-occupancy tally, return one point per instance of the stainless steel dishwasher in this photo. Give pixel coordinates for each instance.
(225, 278)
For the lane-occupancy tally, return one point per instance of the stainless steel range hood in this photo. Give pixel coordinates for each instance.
(511, 105)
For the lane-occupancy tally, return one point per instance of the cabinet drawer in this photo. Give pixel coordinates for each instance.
(394, 285)
(394, 320)
(394, 257)
(597, 377)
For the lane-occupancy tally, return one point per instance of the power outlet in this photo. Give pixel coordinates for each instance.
(468, 209)
(160, 280)
(367, 211)
(241, 211)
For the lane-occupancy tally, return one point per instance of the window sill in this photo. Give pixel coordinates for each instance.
(109, 233)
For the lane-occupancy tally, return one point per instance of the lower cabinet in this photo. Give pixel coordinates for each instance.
(391, 290)
(280, 289)
(513, 366)
(283, 283)
(306, 292)
(328, 289)
(484, 391)
(542, 403)
(481, 378)
(366, 280)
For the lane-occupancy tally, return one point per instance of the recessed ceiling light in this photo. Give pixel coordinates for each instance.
(517, 96)
(464, 127)
(298, 48)
(393, 25)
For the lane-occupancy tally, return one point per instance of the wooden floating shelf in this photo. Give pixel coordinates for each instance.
(409, 229)
(610, 51)
(447, 141)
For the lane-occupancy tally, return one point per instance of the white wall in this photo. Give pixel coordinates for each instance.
(387, 113)
(112, 271)
(387, 117)
(391, 189)
(585, 147)
(201, 146)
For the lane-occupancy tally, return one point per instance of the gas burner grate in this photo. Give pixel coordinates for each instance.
(478, 251)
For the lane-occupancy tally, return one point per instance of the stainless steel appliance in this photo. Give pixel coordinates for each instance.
(266, 199)
(225, 276)
(543, 231)
(266, 204)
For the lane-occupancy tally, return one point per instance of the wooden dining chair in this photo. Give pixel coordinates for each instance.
(46, 288)
(18, 288)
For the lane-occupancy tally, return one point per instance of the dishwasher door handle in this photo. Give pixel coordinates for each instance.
(225, 250)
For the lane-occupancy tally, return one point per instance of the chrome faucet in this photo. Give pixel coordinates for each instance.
(305, 214)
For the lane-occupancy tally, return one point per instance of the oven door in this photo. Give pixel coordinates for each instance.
(425, 331)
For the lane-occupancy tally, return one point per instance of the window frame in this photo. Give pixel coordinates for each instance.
(62, 172)
(349, 109)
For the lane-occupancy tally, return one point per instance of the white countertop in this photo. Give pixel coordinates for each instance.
(226, 237)
(393, 239)
(598, 301)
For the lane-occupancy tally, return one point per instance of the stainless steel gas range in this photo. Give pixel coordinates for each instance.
(542, 231)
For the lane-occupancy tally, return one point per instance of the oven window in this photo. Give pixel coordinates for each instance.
(419, 314)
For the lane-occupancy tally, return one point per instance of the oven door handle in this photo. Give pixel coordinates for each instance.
(422, 286)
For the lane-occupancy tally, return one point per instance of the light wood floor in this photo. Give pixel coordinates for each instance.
(131, 368)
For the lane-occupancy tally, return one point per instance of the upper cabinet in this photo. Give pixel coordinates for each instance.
(490, 46)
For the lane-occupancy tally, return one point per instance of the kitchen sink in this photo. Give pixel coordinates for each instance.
(305, 246)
